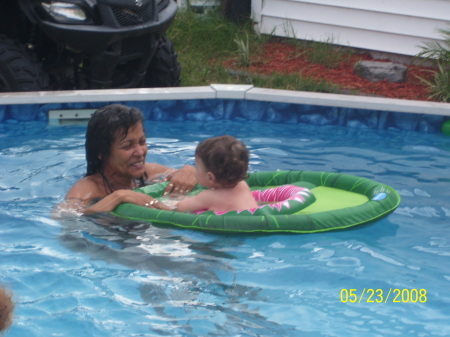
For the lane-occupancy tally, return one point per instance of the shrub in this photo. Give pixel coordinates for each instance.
(438, 53)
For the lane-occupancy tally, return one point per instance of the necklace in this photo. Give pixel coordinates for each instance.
(110, 187)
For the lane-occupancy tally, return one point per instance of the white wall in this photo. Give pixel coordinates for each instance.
(392, 26)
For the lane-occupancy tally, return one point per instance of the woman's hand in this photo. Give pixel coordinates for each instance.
(110, 202)
(132, 197)
(140, 199)
(181, 181)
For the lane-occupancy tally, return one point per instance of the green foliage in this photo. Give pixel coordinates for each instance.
(243, 51)
(435, 51)
(293, 82)
(327, 54)
(204, 41)
(440, 86)
(438, 53)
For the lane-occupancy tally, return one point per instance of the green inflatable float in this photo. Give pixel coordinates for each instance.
(292, 202)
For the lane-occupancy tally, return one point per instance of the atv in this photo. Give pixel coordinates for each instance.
(86, 44)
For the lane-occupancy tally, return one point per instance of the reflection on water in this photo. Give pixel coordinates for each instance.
(105, 277)
(183, 276)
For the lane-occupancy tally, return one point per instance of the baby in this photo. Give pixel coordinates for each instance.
(222, 164)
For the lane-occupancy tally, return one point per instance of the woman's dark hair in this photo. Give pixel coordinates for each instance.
(226, 157)
(104, 126)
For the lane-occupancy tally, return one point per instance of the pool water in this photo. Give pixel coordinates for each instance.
(80, 277)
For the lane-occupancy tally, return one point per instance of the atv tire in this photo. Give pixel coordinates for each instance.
(164, 69)
(19, 68)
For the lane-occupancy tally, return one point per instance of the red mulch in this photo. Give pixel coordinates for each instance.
(286, 58)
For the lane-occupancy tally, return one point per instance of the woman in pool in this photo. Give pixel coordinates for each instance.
(116, 149)
(222, 165)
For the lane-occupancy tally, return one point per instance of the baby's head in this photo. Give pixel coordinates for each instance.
(226, 157)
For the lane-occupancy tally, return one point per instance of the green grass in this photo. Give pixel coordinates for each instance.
(440, 85)
(203, 42)
(327, 53)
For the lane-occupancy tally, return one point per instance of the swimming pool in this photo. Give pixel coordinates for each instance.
(78, 278)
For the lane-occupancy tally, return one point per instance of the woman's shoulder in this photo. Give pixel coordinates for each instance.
(157, 171)
(92, 180)
(86, 188)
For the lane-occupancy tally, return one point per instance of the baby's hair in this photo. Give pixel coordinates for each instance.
(226, 157)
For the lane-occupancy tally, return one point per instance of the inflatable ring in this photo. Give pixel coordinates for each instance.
(285, 199)
(342, 201)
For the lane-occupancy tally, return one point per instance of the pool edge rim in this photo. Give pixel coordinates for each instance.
(228, 91)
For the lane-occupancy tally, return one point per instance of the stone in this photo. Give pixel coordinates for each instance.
(376, 71)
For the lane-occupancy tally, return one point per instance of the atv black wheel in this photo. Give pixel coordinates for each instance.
(164, 69)
(19, 69)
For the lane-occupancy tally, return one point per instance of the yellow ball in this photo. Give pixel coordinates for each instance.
(446, 128)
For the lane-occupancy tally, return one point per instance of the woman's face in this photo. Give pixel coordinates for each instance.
(127, 157)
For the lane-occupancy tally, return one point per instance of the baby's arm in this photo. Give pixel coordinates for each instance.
(201, 201)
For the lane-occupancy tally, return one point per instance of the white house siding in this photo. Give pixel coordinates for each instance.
(391, 26)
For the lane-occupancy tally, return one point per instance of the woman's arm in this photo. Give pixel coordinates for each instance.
(87, 196)
(111, 201)
(82, 198)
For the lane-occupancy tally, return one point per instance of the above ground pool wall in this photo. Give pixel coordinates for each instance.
(280, 107)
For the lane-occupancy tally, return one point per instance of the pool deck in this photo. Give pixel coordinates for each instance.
(227, 91)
